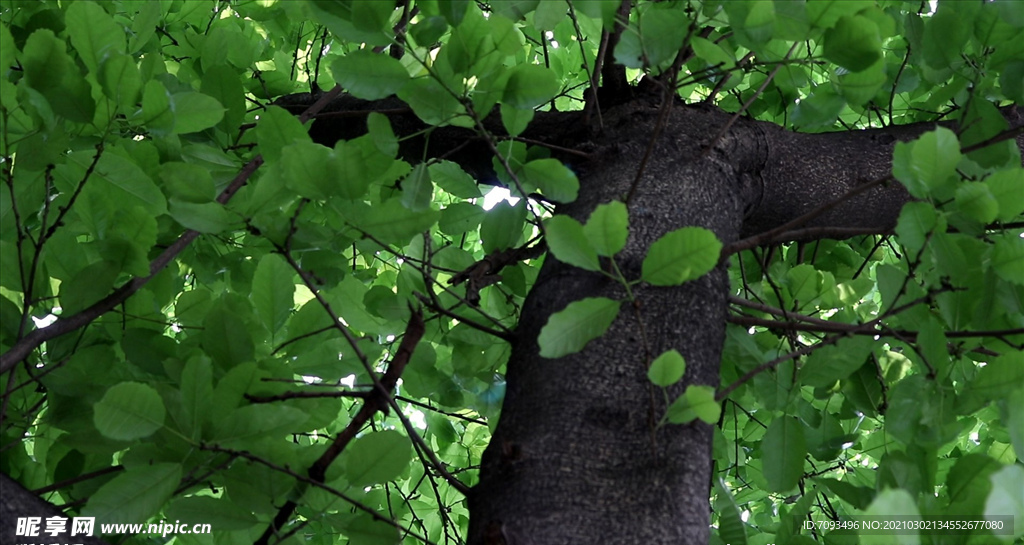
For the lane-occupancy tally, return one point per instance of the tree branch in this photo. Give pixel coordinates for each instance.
(34, 339)
(376, 400)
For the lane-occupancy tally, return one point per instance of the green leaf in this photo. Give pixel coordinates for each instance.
(667, 369)
(453, 10)
(1015, 418)
(662, 32)
(981, 122)
(783, 450)
(45, 61)
(514, 119)
(210, 217)
(358, 163)
(945, 34)
(93, 33)
(392, 222)
(698, 401)
(121, 80)
(128, 411)
(196, 392)
(863, 86)
(703, 403)
(245, 424)
(428, 29)
(502, 226)
(529, 86)
(857, 496)
(570, 329)
(608, 228)
(368, 75)
(431, 102)
(919, 413)
(567, 242)
(308, 170)
(120, 180)
(927, 164)
(377, 458)
(854, 43)
(681, 255)
(273, 288)
(891, 503)
(366, 530)
(88, 286)
(52, 72)
(554, 179)
(917, 221)
(1011, 81)
(371, 17)
(459, 218)
(382, 134)
(712, 53)
(1007, 498)
(417, 189)
(134, 495)
(832, 363)
(220, 513)
(803, 282)
(968, 483)
(450, 177)
(1007, 186)
(157, 113)
(221, 82)
(276, 129)
(1008, 259)
(754, 21)
(226, 338)
(194, 112)
(1000, 378)
(8, 50)
(976, 201)
(731, 529)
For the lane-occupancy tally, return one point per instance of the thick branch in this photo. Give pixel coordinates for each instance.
(840, 182)
(17, 502)
(376, 400)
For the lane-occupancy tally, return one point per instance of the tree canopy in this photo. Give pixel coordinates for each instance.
(514, 272)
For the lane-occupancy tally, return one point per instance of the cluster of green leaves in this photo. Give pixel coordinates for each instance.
(826, 62)
(913, 415)
(126, 128)
(126, 125)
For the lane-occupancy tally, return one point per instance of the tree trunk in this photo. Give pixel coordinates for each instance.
(577, 456)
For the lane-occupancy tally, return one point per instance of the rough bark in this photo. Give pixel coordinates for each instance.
(17, 502)
(577, 456)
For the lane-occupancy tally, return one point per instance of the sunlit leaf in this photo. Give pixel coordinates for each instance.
(608, 228)
(529, 86)
(698, 401)
(570, 329)
(853, 43)
(129, 410)
(568, 243)
(926, 165)
(681, 255)
(667, 369)
(369, 76)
